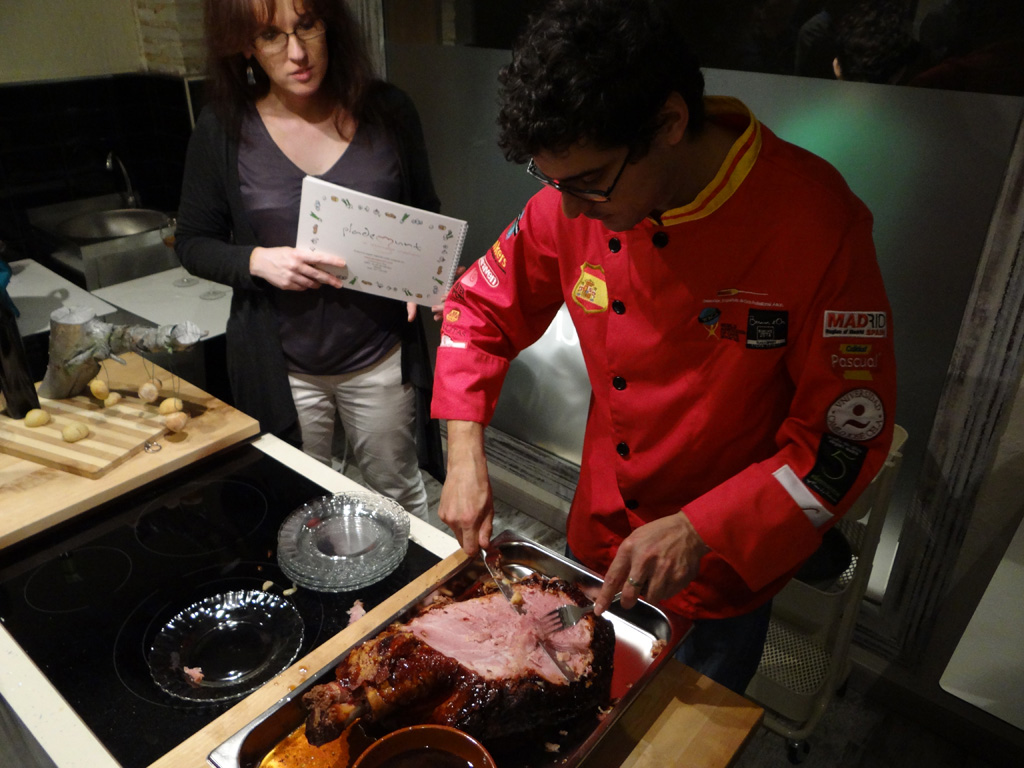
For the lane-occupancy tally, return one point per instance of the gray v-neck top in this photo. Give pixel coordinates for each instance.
(324, 331)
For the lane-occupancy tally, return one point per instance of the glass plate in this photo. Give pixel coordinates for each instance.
(343, 542)
(238, 640)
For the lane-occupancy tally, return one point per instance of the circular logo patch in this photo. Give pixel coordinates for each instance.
(858, 415)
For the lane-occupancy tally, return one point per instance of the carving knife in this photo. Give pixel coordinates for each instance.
(492, 560)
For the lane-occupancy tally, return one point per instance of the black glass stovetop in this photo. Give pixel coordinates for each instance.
(86, 600)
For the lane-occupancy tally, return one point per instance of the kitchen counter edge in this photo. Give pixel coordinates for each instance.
(61, 734)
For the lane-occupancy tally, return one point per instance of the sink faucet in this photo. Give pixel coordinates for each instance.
(130, 198)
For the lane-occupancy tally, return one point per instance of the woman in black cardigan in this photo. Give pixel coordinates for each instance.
(289, 95)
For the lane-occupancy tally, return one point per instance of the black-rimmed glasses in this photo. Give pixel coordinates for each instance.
(590, 195)
(273, 40)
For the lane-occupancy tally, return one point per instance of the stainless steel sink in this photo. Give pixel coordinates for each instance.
(104, 241)
(95, 226)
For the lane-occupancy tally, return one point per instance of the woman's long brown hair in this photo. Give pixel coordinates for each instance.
(230, 27)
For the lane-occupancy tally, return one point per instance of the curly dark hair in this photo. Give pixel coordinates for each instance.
(596, 71)
(231, 25)
(875, 41)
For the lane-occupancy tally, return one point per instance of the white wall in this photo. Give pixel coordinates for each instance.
(44, 40)
(57, 39)
(171, 35)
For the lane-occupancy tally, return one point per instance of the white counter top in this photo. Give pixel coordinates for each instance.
(63, 736)
(427, 536)
(156, 298)
(37, 291)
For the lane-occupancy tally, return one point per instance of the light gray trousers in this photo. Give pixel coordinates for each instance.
(378, 414)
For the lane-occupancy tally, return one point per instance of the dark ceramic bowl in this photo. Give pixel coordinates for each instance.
(426, 746)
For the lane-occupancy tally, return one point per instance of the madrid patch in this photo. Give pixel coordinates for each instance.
(846, 324)
(856, 415)
(836, 468)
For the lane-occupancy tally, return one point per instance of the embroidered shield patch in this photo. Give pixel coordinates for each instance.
(591, 291)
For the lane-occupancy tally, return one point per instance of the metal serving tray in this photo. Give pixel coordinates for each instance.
(645, 637)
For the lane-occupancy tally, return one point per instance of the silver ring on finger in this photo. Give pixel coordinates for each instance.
(634, 583)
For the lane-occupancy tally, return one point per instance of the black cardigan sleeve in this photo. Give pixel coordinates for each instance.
(212, 238)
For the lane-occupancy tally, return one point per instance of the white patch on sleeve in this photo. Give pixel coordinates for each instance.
(804, 499)
(447, 341)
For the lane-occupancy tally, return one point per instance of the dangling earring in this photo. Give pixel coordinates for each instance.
(250, 78)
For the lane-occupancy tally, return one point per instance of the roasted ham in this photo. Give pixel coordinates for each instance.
(475, 664)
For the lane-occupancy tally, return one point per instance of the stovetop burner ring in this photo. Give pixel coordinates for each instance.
(137, 633)
(203, 517)
(78, 579)
(226, 645)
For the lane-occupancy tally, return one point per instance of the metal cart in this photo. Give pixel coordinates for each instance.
(806, 655)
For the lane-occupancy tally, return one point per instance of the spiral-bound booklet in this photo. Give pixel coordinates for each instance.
(390, 249)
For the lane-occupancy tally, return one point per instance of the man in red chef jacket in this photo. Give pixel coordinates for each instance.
(730, 311)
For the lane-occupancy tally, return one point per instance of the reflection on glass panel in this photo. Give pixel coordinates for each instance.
(928, 163)
(962, 45)
(546, 394)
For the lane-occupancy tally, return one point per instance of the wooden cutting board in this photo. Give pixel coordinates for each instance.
(115, 434)
(35, 494)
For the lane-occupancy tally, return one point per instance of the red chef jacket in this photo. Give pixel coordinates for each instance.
(740, 354)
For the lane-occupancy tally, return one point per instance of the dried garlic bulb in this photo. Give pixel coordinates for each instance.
(149, 391)
(99, 389)
(170, 405)
(74, 432)
(176, 421)
(36, 418)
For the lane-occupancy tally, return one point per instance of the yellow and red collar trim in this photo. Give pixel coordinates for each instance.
(734, 169)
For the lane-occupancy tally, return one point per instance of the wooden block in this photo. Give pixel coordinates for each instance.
(115, 434)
